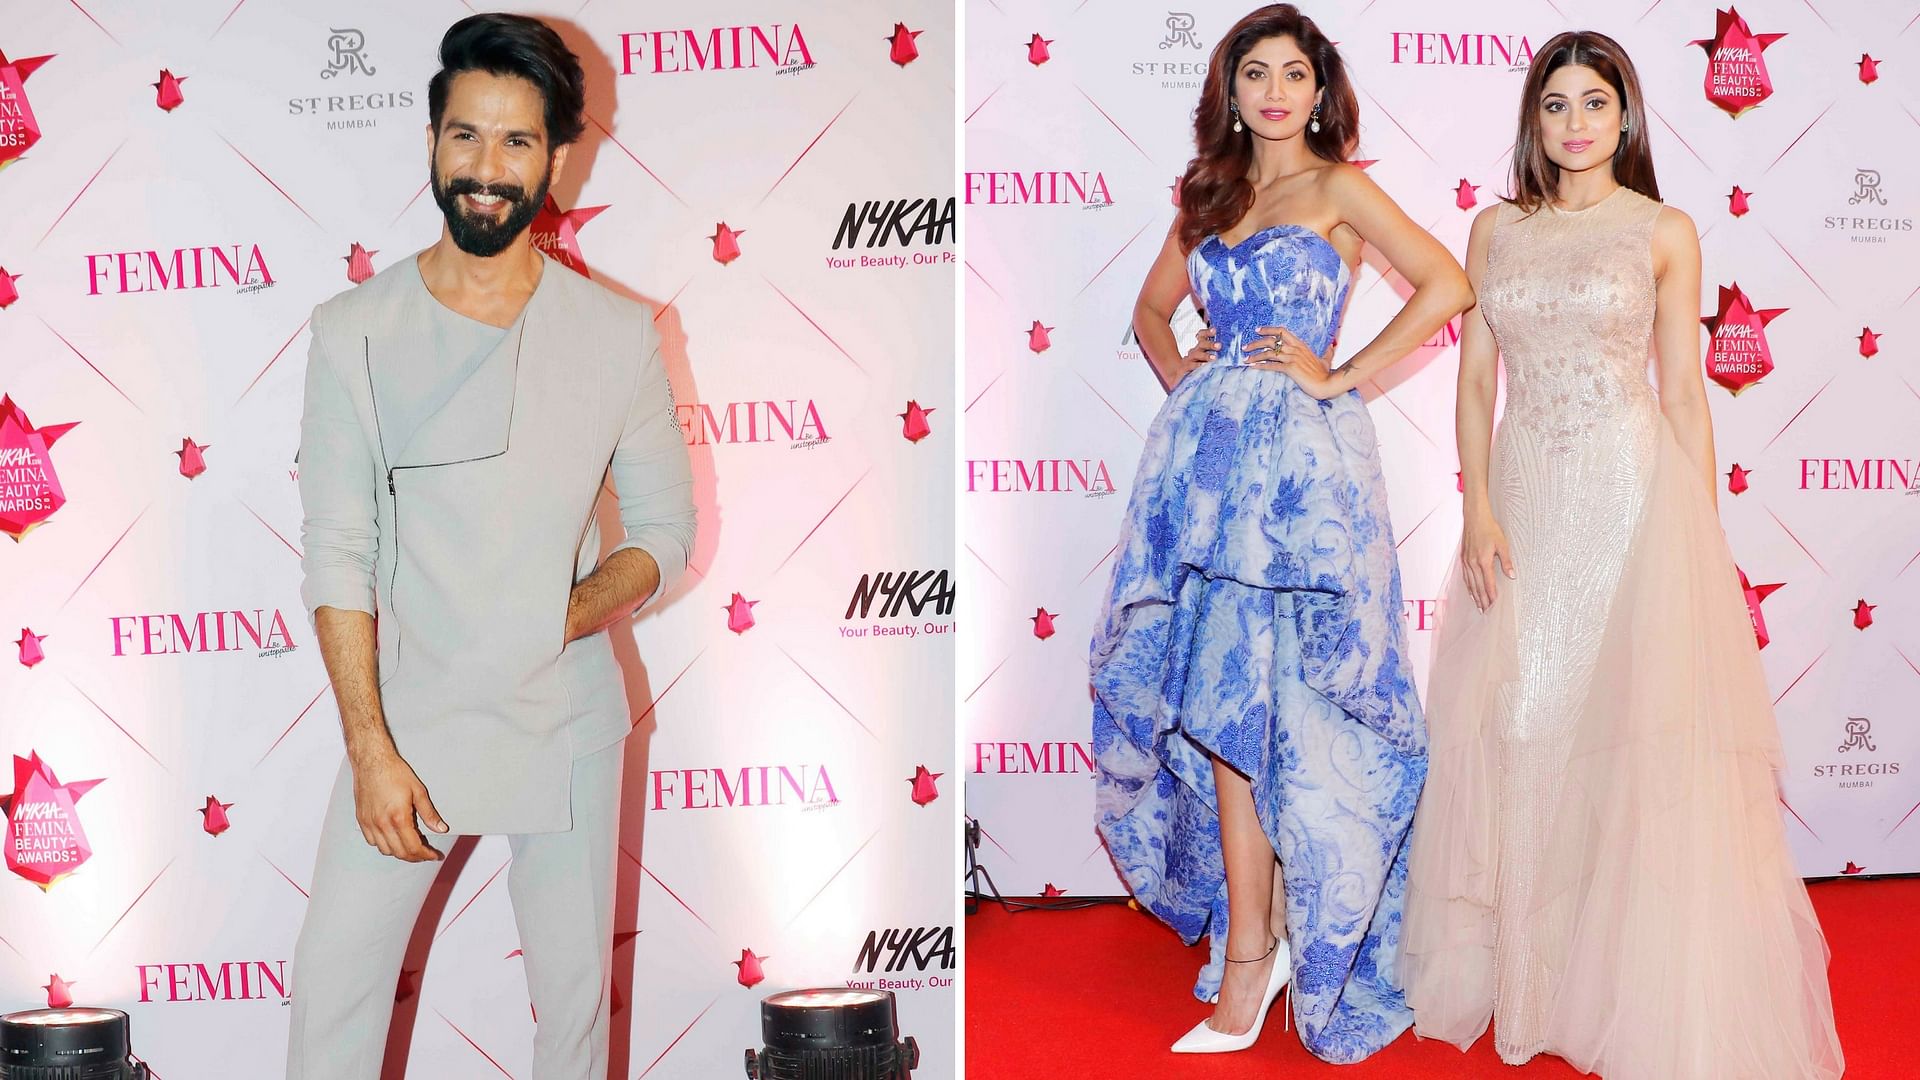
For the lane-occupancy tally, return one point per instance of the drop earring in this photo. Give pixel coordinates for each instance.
(1235, 109)
(1314, 124)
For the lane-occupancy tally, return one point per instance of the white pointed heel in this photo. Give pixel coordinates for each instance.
(1205, 1040)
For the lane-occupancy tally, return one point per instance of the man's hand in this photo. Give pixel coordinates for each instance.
(386, 797)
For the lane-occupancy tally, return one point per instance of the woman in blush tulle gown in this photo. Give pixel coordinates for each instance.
(1253, 701)
(1599, 866)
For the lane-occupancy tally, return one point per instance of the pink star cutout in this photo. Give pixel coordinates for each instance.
(8, 291)
(59, 992)
(1852, 869)
(1043, 623)
(1737, 479)
(1736, 77)
(558, 234)
(1737, 201)
(1037, 53)
(1869, 68)
(167, 91)
(1755, 594)
(925, 790)
(47, 800)
(359, 264)
(1744, 359)
(23, 127)
(1869, 341)
(751, 971)
(1463, 195)
(30, 651)
(1053, 890)
(1863, 615)
(30, 446)
(740, 614)
(726, 243)
(901, 48)
(913, 422)
(214, 816)
(193, 461)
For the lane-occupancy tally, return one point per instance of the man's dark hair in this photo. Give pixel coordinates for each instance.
(521, 47)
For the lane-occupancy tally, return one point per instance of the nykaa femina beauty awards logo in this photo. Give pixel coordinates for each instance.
(29, 488)
(1737, 77)
(44, 839)
(779, 47)
(18, 129)
(1738, 355)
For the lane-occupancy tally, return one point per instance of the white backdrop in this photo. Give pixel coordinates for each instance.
(1828, 508)
(779, 729)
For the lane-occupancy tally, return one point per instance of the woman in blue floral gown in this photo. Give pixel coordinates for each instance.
(1253, 700)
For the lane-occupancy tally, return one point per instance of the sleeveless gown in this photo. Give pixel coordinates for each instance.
(1599, 865)
(1254, 613)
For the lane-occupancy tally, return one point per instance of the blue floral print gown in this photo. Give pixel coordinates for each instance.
(1255, 614)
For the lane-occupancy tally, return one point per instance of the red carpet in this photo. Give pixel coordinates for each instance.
(1102, 992)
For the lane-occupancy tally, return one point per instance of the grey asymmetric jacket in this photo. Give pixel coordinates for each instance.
(466, 541)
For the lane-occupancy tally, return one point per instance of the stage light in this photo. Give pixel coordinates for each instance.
(68, 1044)
(831, 1035)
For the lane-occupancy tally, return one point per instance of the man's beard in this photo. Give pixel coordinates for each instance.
(485, 237)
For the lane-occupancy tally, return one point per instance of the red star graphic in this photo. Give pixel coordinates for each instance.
(1053, 890)
(30, 651)
(407, 986)
(514, 953)
(22, 126)
(1737, 479)
(1737, 201)
(59, 992)
(192, 461)
(1852, 869)
(558, 234)
(1460, 482)
(925, 790)
(359, 263)
(1863, 615)
(1463, 195)
(726, 242)
(8, 291)
(750, 970)
(1037, 53)
(901, 49)
(1755, 594)
(913, 422)
(1037, 338)
(35, 786)
(1869, 68)
(214, 816)
(1043, 623)
(1732, 360)
(1744, 82)
(740, 614)
(167, 90)
(1869, 341)
(17, 434)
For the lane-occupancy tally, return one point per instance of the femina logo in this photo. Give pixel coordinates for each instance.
(1047, 188)
(927, 221)
(751, 422)
(1000, 475)
(1026, 757)
(913, 589)
(234, 980)
(181, 268)
(208, 631)
(920, 946)
(1478, 50)
(724, 48)
(749, 785)
(1860, 474)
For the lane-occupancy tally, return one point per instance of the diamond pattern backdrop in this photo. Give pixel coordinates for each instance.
(181, 184)
(1078, 121)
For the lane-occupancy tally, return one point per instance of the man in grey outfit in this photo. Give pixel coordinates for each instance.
(463, 408)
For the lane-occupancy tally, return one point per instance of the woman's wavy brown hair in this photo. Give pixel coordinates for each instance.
(1536, 179)
(1214, 193)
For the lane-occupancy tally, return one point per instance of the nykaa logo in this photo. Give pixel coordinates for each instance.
(798, 423)
(208, 631)
(913, 590)
(234, 980)
(906, 221)
(1860, 474)
(1039, 188)
(181, 268)
(1474, 50)
(750, 785)
(1062, 475)
(1047, 758)
(904, 948)
(723, 48)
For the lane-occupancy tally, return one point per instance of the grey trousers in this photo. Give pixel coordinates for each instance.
(362, 914)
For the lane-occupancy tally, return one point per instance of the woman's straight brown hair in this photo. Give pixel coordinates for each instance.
(1536, 179)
